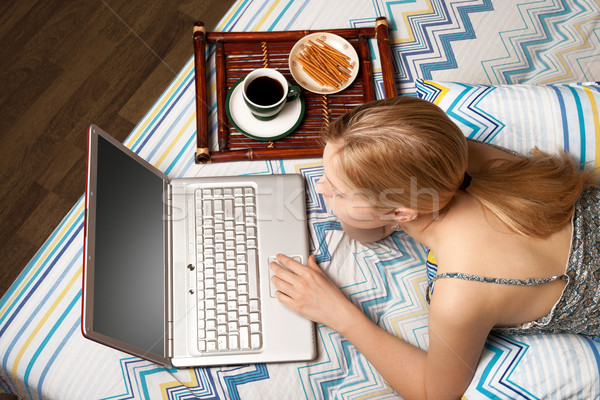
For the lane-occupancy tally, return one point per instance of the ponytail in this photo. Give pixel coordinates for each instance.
(533, 196)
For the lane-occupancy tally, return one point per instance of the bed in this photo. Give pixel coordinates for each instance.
(482, 61)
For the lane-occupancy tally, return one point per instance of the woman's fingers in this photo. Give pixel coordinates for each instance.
(307, 290)
(290, 264)
(282, 285)
(283, 270)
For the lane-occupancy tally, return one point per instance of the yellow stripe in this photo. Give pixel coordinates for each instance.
(568, 75)
(376, 394)
(210, 93)
(424, 308)
(75, 278)
(267, 14)
(443, 91)
(174, 141)
(193, 382)
(596, 119)
(431, 258)
(314, 164)
(49, 249)
(157, 107)
(405, 16)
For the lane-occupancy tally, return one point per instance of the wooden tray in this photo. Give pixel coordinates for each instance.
(238, 53)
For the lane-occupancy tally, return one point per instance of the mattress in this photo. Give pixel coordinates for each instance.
(456, 53)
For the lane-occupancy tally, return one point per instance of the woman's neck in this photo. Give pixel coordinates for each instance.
(423, 229)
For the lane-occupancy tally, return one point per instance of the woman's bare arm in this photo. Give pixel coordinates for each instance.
(457, 333)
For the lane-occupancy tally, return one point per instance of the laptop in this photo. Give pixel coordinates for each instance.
(176, 270)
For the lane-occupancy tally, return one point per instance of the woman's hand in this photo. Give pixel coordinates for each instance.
(307, 291)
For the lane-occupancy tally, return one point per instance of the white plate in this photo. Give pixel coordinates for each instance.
(282, 125)
(335, 41)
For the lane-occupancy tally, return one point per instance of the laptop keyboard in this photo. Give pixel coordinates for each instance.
(229, 314)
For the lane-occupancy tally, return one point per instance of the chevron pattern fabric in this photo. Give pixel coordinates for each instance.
(485, 44)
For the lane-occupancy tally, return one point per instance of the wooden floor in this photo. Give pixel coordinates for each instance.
(63, 66)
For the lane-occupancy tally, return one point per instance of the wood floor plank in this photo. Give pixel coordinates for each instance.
(22, 87)
(22, 35)
(16, 250)
(37, 225)
(25, 199)
(62, 162)
(11, 12)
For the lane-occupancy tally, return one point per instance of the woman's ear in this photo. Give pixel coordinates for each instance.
(405, 214)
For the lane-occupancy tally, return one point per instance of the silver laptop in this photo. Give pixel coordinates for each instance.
(176, 270)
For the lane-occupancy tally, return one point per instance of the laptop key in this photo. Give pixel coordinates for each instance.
(253, 271)
(255, 341)
(244, 337)
(234, 342)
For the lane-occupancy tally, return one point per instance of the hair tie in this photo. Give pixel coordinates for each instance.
(466, 182)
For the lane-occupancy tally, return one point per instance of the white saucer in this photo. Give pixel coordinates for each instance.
(282, 125)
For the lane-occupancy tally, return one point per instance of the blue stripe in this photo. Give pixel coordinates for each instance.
(508, 370)
(190, 104)
(54, 356)
(182, 113)
(255, 16)
(26, 294)
(581, 119)
(156, 370)
(455, 105)
(295, 16)
(446, 39)
(75, 260)
(280, 15)
(190, 160)
(43, 344)
(151, 110)
(529, 47)
(189, 163)
(3, 386)
(237, 16)
(232, 382)
(487, 371)
(563, 116)
(35, 258)
(163, 115)
(594, 345)
(125, 375)
(424, 48)
(184, 150)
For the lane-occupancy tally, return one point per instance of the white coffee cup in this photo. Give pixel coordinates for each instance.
(266, 91)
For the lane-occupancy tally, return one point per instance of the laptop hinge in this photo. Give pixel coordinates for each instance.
(168, 226)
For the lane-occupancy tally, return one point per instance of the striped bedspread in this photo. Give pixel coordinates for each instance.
(44, 355)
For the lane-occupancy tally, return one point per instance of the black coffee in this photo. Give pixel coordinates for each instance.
(264, 91)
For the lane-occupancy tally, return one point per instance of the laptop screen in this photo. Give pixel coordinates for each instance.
(129, 270)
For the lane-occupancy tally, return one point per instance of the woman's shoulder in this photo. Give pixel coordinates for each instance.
(471, 239)
(465, 300)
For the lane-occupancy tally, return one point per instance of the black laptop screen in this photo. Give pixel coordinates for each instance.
(129, 274)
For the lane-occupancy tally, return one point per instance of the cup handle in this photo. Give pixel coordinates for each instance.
(293, 93)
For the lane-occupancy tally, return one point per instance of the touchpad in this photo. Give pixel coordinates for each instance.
(272, 289)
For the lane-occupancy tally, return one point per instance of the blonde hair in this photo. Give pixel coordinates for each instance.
(407, 152)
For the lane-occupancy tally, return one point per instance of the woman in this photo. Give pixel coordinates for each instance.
(500, 226)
